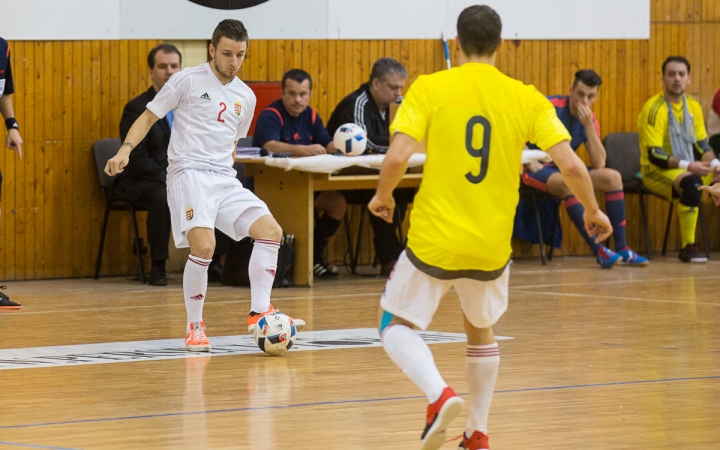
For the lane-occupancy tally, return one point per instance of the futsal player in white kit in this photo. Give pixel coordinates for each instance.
(212, 109)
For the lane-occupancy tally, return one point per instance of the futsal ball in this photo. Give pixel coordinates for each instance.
(275, 333)
(350, 139)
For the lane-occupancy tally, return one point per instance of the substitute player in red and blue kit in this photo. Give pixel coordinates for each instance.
(575, 112)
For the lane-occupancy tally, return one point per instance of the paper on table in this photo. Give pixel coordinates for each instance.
(331, 163)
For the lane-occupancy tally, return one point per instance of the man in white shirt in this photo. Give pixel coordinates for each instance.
(213, 109)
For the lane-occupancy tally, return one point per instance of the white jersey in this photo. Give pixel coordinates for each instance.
(209, 118)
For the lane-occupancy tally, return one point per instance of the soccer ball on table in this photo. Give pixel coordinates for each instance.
(275, 333)
(350, 139)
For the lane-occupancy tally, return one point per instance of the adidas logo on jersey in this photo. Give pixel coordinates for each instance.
(205, 96)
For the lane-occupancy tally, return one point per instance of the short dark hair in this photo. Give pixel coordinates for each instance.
(165, 48)
(677, 59)
(384, 67)
(231, 29)
(479, 28)
(298, 75)
(588, 77)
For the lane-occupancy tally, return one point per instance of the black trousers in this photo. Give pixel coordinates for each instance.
(387, 244)
(152, 196)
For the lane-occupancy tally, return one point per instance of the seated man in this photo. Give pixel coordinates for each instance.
(674, 150)
(144, 178)
(289, 125)
(369, 107)
(575, 112)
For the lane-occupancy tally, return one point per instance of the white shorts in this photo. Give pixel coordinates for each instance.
(414, 295)
(206, 199)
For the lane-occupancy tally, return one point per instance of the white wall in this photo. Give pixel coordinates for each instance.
(318, 19)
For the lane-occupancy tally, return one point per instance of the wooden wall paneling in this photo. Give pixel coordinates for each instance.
(34, 213)
(76, 150)
(320, 89)
(50, 265)
(262, 74)
(272, 62)
(297, 54)
(24, 193)
(253, 61)
(365, 63)
(68, 173)
(345, 71)
(330, 80)
(92, 131)
(338, 73)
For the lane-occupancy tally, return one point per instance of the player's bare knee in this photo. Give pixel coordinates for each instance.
(266, 227)
(202, 242)
(204, 249)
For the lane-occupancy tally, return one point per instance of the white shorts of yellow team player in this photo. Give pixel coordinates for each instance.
(413, 295)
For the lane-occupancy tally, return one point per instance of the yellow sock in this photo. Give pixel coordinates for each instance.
(688, 220)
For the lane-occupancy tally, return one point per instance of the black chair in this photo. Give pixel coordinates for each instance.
(533, 194)
(623, 155)
(103, 150)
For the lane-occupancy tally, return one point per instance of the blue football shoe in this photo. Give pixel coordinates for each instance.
(631, 258)
(607, 258)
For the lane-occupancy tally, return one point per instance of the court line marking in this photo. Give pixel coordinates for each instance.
(165, 349)
(17, 444)
(614, 282)
(181, 304)
(614, 297)
(348, 402)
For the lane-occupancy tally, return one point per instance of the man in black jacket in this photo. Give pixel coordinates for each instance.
(143, 180)
(369, 107)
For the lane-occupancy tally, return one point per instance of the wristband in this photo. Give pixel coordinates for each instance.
(11, 123)
(682, 164)
(714, 163)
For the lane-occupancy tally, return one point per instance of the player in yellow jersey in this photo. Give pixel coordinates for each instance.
(475, 121)
(674, 150)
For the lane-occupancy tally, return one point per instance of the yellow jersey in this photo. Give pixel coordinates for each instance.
(476, 121)
(653, 124)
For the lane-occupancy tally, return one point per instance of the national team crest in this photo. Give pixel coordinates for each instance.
(189, 213)
(238, 107)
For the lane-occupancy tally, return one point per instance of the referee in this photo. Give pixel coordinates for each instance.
(13, 140)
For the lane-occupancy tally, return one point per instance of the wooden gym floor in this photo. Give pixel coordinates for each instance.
(627, 358)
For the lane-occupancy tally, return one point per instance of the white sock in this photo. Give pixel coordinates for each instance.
(481, 365)
(195, 281)
(261, 270)
(409, 352)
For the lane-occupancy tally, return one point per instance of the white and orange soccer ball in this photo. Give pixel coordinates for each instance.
(275, 333)
(350, 139)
